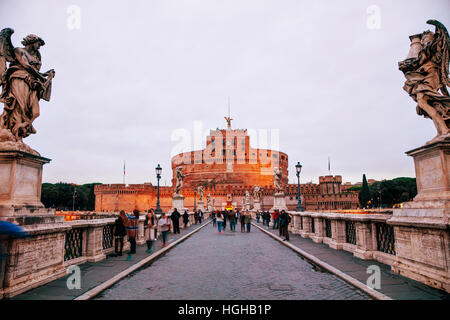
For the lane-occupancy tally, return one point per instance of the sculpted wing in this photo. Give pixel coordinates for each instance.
(6, 50)
(443, 43)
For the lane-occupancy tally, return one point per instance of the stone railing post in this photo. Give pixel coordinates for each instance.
(307, 230)
(140, 236)
(364, 241)
(319, 230)
(94, 241)
(337, 234)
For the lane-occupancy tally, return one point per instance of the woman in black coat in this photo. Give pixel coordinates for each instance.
(185, 218)
(119, 233)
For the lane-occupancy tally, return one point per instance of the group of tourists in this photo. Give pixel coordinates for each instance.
(220, 218)
(154, 227)
(281, 220)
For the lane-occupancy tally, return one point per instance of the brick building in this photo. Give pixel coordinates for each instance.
(227, 166)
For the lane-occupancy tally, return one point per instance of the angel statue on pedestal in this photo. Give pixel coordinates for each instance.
(426, 72)
(23, 85)
(200, 193)
(256, 192)
(180, 177)
(277, 180)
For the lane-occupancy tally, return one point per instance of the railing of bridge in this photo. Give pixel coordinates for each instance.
(73, 247)
(385, 238)
(108, 236)
(350, 232)
(328, 232)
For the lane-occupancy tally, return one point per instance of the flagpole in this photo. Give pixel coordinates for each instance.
(123, 171)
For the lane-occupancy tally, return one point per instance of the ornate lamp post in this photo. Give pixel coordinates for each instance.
(262, 199)
(158, 176)
(195, 198)
(298, 168)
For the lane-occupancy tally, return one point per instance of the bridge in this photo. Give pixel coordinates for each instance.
(202, 264)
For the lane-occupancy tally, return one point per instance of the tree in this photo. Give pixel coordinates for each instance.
(364, 195)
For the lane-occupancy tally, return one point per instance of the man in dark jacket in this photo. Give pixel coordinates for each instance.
(185, 218)
(119, 233)
(284, 219)
(175, 216)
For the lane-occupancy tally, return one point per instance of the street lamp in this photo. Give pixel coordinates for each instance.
(262, 199)
(195, 198)
(298, 168)
(158, 176)
(74, 196)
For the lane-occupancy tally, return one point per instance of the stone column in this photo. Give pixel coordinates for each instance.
(319, 230)
(421, 227)
(337, 234)
(306, 232)
(364, 241)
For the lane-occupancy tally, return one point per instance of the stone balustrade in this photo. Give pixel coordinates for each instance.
(367, 236)
(53, 247)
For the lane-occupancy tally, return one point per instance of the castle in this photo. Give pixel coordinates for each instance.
(227, 167)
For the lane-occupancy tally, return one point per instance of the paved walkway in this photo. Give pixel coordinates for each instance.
(395, 286)
(230, 266)
(93, 274)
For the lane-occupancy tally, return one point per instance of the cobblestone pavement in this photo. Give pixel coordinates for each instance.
(393, 285)
(236, 265)
(95, 273)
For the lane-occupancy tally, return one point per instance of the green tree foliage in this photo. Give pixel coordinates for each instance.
(393, 191)
(60, 196)
(364, 193)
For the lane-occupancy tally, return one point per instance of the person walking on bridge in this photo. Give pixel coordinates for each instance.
(175, 216)
(119, 233)
(149, 229)
(213, 217)
(232, 219)
(275, 219)
(185, 218)
(248, 220)
(200, 216)
(225, 218)
(285, 219)
(242, 220)
(164, 225)
(219, 221)
(132, 230)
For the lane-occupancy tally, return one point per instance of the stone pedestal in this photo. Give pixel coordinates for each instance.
(201, 205)
(20, 184)
(279, 202)
(178, 203)
(256, 205)
(421, 227)
(246, 206)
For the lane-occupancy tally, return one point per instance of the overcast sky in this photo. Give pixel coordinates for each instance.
(324, 73)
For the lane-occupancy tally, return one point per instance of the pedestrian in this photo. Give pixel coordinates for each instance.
(285, 219)
(225, 218)
(219, 221)
(175, 216)
(185, 218)
(275, 219)
(248, 220)
(132, 230)
(213, 217)
(258, 215)
(196, 216)
(232, 219)
(164, 225)
(119, 233)
(200, 216)
(149, 229)
(267, 219)
(242, 220)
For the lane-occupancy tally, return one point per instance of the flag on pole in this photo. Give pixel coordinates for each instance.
(123, 171)
(329, 168)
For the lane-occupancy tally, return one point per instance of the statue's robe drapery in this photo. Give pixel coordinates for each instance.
(20, 95)
(426, 80)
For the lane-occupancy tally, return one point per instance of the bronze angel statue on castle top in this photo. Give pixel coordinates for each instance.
(426, 70)
(23, 85)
